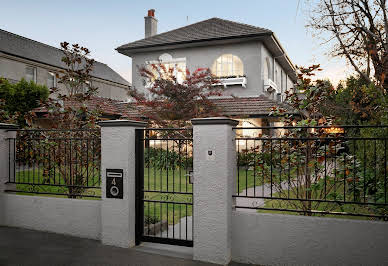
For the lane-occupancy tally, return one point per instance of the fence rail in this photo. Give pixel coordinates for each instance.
(56, 162)
(319, 170)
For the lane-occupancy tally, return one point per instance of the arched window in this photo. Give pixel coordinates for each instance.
(228, 65)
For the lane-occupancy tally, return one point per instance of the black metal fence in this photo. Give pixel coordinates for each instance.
(164, 192)
(313, 170)
(56, 162)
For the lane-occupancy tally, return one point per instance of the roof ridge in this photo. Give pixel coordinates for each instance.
(243, 24)
(41, 43)
(166, 32)
(28, 39)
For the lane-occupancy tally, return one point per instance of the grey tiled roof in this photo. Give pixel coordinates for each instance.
(20, 46)
(214, 28)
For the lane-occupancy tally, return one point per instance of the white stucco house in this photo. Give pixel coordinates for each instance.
(249, 61)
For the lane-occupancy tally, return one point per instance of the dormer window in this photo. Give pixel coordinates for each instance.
(228, 65)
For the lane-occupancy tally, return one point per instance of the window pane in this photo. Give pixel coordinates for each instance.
(31, 73)
(228, 65)
(50, 80)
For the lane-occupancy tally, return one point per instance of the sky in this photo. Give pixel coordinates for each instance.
(102, 26)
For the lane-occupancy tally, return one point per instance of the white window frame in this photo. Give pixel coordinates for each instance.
(49, 73)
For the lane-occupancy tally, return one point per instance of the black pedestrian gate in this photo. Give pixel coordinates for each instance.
(164, 189)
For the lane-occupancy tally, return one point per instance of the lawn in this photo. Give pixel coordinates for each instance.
(324, 206)
(47, 185)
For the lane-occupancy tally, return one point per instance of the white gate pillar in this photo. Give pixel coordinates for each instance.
(214, 175)
(118, 152)
(7, 153)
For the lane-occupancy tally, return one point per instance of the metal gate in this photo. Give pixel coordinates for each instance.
(164, 189)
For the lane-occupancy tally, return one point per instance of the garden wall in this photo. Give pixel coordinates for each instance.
(273, 239)
(81, 218)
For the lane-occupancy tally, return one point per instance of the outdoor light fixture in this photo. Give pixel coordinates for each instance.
(334, 130)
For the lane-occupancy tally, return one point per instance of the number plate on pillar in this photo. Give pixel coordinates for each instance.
(114, 183)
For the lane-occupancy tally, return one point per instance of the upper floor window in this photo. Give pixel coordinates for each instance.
(228, 65)
(31, 73)
(178, 65)
(267, 69)
(51, 80)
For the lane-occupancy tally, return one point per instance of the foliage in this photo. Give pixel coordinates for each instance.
(324, 165)
(69, 113)
(171, 101)
(69, 110)
(19, 99)
(358, 102)
(148, 220)
(161, 158)
(358, 31)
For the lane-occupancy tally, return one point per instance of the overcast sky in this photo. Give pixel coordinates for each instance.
(104, 25)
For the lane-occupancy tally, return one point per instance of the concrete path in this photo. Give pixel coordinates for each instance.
(179, 230)
(28, 247)
(260, 191)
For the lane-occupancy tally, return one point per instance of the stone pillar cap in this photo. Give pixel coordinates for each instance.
(122, 123)
(214, 121)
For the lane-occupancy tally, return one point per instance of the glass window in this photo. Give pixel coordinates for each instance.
(164, 64)
(228, 65)
(51, 80)
(31, 73)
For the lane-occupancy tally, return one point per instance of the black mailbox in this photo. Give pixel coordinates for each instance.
(114, 183)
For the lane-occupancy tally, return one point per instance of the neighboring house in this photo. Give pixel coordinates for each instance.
(21, 57)
(111, 109)
(249, 61)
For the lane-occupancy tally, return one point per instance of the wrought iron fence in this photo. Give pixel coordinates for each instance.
(164, 191)
(56, 162)
(313, 170)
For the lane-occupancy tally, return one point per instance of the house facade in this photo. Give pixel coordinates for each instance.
(249, 61)
(21, 57)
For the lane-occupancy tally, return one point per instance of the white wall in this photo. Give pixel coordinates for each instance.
(273, 239)
(80, 218)
(202, 57)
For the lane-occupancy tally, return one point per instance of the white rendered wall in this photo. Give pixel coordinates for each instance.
(214, 176)
(273, 239)
(75, 217)
(118, 151)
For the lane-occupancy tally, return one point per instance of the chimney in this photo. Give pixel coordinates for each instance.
(151, 24)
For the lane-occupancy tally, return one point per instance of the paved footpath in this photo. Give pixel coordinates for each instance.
(28, 247)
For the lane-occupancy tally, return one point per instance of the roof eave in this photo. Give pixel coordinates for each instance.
(195, 43)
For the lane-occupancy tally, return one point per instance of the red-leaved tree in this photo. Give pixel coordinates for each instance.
(172, 96)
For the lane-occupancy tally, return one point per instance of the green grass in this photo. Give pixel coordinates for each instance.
(36, 176)
(324, 206)
(167, 181)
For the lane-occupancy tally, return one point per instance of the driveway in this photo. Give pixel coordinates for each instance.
(28, 247)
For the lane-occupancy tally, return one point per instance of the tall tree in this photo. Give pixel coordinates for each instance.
(358, 31)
